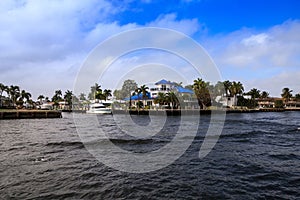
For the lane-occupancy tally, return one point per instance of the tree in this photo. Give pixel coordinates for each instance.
(137, 92)
(177, 84)
(40, 98)
(2, 89)
(96, 91)
(68, 98)
(57, 96)
(143, 90)
(254, 93)
(14, 93)
(249, 103)
(82, 97)
(264, 94)
(297, 97)
(219, 89)
(190, 87)
(286, 94)
(160, 99)
(107, 93)
(236, 88)
(127, 88)
(227, 84)
(172, 98)
(24, 95)
(100, 95)
(278, 104)
(202, 93)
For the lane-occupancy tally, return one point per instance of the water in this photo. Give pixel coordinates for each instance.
(256, 157)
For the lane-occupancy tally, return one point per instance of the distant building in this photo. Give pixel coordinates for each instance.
(227, 101)
(162, 86)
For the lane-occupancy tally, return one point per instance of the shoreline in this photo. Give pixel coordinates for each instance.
(41, 114)
(29, 114)
(175, 112)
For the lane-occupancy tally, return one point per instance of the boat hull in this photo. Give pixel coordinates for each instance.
(102, 111)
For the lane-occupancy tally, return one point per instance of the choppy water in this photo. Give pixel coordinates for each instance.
(256, 157)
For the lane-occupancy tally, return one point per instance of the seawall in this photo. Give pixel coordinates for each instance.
(176, 112)
(29, 114)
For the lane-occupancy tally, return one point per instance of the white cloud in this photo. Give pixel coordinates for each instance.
(276, 47)
(187, 26)
(275, 84)
(253, 40)
(48, 40)
(249, 55)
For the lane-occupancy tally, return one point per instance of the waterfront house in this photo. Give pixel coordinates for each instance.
(164, 86)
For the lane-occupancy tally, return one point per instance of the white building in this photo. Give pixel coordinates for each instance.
(163, 86)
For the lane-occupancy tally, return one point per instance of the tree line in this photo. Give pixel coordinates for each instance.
(204, 92)
(15, 97)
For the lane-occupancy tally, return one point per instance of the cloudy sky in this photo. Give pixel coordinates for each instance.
(45, 43)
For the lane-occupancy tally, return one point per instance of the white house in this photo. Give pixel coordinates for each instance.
(162, 86)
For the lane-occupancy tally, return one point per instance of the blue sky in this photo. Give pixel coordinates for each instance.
(44, 43)
(220, 16)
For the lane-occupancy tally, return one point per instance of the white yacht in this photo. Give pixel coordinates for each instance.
(99, 108)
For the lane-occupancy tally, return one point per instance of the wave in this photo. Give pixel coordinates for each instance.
(289, 156)
(76, 144)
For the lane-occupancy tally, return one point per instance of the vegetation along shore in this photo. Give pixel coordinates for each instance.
(164, 96)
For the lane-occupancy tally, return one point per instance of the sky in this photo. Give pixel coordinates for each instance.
(44, 44)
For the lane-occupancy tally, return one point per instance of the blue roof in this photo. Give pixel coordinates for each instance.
(184, 90)
(140, 97)
(163, 81)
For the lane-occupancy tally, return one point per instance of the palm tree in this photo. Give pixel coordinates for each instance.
(68, 98)
(172, 98)
(297, 97)
(14, 93)
(58, 92)
(95, 91)
(57, 96)
(201, 90)
(236, 88)
(264, 94)
(254, 93)
(107, 93)
(40, 98)
(144, 92)
(24, 95)
(227, 84)
(160, 99)
(2, 89)
(137, 92)
(286, 94)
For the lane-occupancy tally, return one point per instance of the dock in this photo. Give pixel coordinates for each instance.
(29, 114)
